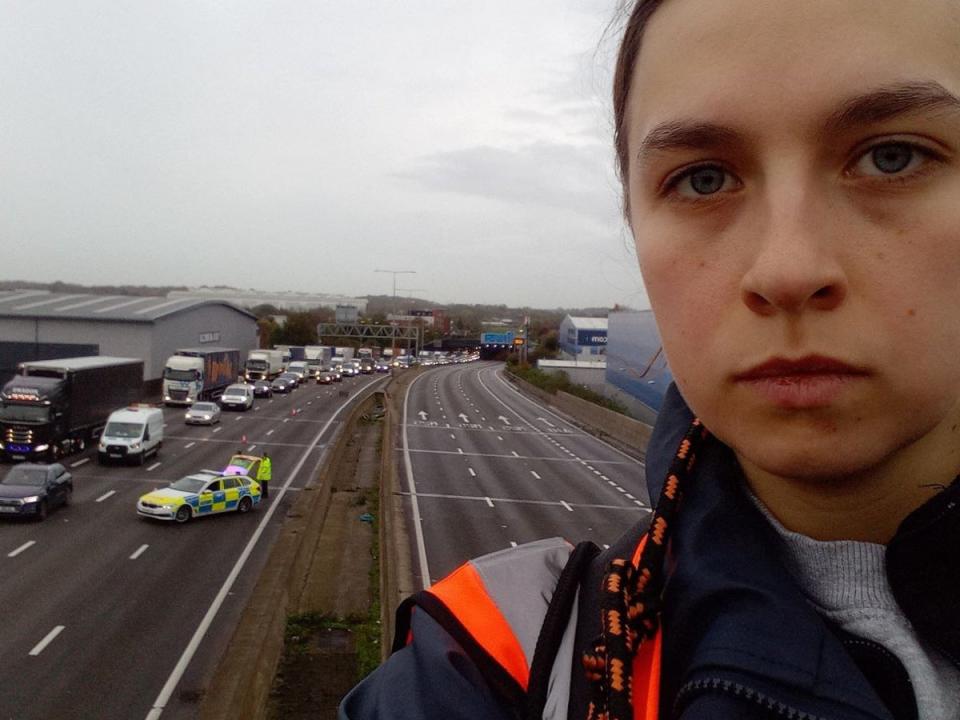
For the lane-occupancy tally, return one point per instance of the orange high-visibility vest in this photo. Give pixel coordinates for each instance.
(499, 600)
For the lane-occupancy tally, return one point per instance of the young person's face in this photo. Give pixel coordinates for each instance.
(794, 187)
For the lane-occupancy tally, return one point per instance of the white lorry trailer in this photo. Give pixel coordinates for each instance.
(263, 365)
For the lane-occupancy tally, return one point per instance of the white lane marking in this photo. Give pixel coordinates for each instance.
(269, 433)
(489, 501)
(515, 454)
(499, 437)
(269, 401)
(534, 473)
(105, 496)
(620, 489)
(160, 703)
(256, 408)
(251, 448)
(238, 418)
(217, 429)
(412, 487)
(637, 502)
(460, 451)
(286, 420)
(78, 463)
(41, 646)
(631, 496)
(521, 501)
(513, 543)
(154, 466)
(606, 547)
(139, 551)
(566, 505)
(189, 445)
(472, 472)
(23, 547)
(548, 411)
(452, 436)
(596, 472)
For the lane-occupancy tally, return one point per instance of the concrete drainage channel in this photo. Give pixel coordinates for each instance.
(314, 619)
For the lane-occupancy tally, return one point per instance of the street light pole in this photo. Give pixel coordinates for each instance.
(393, 338)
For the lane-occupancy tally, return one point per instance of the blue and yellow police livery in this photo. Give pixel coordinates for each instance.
(203, 493)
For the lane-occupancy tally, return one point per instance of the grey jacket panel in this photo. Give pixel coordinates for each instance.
(521, 582)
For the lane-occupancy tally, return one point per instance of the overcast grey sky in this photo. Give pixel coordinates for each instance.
(297, 145)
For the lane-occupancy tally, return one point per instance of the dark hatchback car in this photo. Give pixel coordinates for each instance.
(262, 388)
(32, 490)
(284, 383)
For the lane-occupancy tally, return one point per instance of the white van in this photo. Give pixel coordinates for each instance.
(237, 396)
(131, 434)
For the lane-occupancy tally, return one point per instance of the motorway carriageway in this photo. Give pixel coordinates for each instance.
(98, 606)
(488, 468)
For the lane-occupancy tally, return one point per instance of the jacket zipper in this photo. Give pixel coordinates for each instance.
(728, 687)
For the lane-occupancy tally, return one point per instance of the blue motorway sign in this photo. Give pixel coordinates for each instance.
(497, 338)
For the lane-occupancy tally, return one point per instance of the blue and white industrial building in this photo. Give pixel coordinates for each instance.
(635, 361)
(583, 338)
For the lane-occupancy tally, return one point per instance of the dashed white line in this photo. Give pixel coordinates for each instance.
(499, 437)
(631, 496)
(139, 551)
(637, 502)
(105, 496)
(514, 453)
(269, 433)
(27, 545)
(218, 429)
(534, 473)
(513, 543)
(620, 489)
(238, 418)
(189, 445)
(489, 501)
(154, 466)
(251, 448)
(566, 505)
(472, 472)
(452, 436)
(41, 646)
(460, 450)
(611, 483)
(78, 463)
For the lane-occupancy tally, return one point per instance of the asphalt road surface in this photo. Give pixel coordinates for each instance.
(488, 468)
(98, 606)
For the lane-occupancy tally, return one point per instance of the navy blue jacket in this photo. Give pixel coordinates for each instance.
(740, 640)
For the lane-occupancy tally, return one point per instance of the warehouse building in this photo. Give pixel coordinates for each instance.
(636, 365)
(39, 325)
(583, 338)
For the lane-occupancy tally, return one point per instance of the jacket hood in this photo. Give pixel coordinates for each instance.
(732, 610)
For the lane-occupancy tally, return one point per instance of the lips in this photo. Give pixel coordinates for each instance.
(779, 367)
(806, 383)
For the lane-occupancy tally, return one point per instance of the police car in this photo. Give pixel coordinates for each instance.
(204, 493)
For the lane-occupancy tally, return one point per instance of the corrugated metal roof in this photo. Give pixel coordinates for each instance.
(588, 323)
(117, 308)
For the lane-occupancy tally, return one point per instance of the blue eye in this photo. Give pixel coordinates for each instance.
(891, 158)
(701, 181)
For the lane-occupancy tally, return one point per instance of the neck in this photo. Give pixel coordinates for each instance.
(868, 505)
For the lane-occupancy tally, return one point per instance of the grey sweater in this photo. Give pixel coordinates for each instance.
(846, 582)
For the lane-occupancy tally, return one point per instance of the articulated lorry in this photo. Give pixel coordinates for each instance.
(193, 374)
(52, 408)
(263, 365)
(318, 358)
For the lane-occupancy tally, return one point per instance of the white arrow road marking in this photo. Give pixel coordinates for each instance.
(463, 416)
(40, 646)
(422, 414)
(546, 422)
(23, 547)
(503, 419)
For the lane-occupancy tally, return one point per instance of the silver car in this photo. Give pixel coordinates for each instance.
(203, 413)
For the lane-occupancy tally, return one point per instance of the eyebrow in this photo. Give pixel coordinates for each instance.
(879, 105)
(890, 102)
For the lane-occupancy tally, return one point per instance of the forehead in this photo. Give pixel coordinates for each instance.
(777, 63)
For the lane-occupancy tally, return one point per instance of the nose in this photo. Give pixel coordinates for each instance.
(795, 267)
